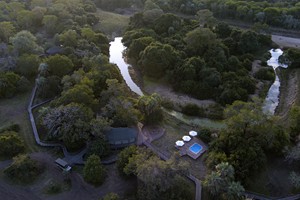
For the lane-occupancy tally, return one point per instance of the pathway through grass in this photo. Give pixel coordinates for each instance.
(14, 111)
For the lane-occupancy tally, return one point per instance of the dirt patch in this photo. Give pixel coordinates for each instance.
(79, 188)
(286, 41)
(179, 99)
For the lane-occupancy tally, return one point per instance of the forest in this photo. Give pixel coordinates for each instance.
(58, 48)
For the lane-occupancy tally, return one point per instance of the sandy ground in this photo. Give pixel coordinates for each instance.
(286, 41)
(80, 189)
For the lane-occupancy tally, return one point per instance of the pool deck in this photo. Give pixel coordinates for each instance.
(185, 149)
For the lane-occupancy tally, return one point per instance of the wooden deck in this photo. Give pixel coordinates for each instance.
(185, 149)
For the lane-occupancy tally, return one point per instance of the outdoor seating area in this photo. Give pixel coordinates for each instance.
(190, 145)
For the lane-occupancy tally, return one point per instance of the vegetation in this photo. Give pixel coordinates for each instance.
(200, 61)
(220, 183)
(23, 169)
(249, 136)
(11, 144)
(111, 196)
(93, 171)
(158, 178)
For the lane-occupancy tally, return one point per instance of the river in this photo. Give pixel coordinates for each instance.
(116, 56)
(272, 99)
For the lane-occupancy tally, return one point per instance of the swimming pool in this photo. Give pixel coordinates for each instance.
(196, 148)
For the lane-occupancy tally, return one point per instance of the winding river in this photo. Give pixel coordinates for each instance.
(272, 99)
(271, 102)
(116, 56)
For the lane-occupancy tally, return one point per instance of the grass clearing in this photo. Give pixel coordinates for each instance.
(14, 111)
(111, 23)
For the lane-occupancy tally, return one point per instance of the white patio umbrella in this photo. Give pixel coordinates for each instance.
(179, 143)
(193, 133)
(186, 138)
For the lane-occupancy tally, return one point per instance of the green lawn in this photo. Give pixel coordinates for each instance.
(14, 111)
(110, 23)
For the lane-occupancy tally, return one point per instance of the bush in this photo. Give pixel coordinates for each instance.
(265, 74)
(192, 110)
(10, 127)
(98, 147)
(11, 144)
(111, 196)
(124, 156)
(93, 171)
(23, 169)
(205, 135)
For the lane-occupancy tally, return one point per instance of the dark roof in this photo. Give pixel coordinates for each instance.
(121, 137)
(61, 162)
(54, 50)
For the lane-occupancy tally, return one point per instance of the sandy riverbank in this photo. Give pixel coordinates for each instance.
(290, 79)
(286, 41)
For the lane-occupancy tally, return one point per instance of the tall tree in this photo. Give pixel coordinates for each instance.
(94, 171)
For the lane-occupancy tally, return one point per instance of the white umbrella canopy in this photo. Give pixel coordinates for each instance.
(186, 138)
(193, 133)
(179, 143)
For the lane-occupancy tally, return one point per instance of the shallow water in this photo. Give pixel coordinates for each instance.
(116, 56)
(272, 99)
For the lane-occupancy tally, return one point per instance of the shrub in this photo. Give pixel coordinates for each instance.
(265, 74)
(11, 144)
(124, 156)
(23, 169)
(192, 110)
(10, 127)
(111, 196)
(98, 147)
(93, 171)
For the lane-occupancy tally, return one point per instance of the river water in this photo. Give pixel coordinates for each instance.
(272, 99)
(116, 56)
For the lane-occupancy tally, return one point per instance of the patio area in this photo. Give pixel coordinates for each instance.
(186, 148)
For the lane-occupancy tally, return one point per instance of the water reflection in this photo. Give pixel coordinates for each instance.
(272, 99)
(116, 56)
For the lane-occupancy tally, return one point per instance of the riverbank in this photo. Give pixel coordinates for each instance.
(290, 81)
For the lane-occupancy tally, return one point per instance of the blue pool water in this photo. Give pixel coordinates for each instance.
(195, 148)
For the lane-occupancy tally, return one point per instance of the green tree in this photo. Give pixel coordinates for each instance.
(123, 158)
(7, 29)
(157, 58)
(220, 183)
(69, 38)
(23, 169)
(11, 144)
(93, 171)
(249, 135)
(50, 23)
(150, 107)
(70, 123)
(8, 84)
(59, 65)
(27, 65)
(25, 42)
(199, 40)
